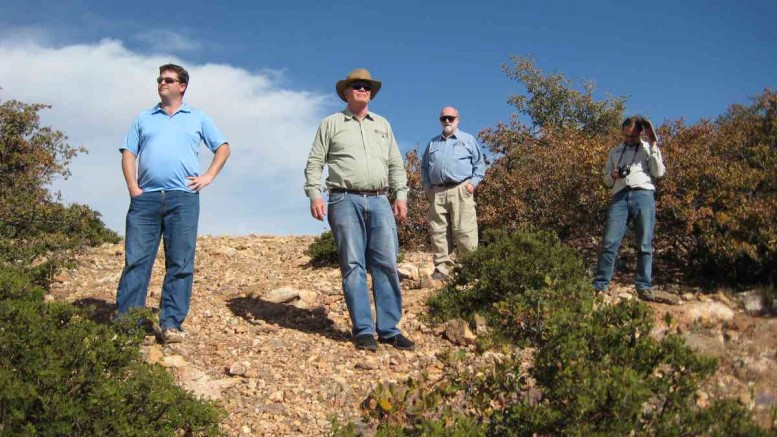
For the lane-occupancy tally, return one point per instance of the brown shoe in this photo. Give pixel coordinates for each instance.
(172, 335)
(658, 296)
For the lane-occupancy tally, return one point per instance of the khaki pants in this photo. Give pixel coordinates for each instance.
(452, 223)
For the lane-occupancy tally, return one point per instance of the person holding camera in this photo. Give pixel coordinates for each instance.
(630, 170)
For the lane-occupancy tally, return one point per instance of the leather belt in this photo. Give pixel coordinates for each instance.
(451, 184)
(380, 192)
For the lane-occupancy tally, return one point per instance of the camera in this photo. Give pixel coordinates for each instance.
(623, 171)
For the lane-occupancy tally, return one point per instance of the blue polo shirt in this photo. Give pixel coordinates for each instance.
(167, 147)
(452, 159)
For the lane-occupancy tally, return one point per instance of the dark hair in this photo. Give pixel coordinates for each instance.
(635, 121)
(183, 75)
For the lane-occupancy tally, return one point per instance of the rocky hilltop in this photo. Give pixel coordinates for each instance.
(268, 337)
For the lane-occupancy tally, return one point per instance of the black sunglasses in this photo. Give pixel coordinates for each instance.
(448, 118)
(361, 85)
(167, 80)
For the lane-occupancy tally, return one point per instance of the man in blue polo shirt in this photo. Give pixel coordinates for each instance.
(164, 198)
(451, 167)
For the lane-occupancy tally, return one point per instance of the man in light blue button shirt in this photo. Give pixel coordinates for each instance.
(163, 143)
(451, 167)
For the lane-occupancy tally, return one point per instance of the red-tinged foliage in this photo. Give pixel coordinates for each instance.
(414, 233)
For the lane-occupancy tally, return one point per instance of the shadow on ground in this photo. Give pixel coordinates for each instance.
(98, 310)
(313, 321)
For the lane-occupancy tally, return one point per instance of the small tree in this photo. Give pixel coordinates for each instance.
(552, 102)
(34, 227)
(414, 233)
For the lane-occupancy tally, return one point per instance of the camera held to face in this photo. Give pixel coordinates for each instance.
(623, 171)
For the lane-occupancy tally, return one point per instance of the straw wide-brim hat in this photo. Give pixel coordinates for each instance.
(361, 74)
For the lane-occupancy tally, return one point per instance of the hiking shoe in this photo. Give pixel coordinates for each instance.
(400, 342)
(172, 335)
(366, 342)
(440, 276)
(658, 296)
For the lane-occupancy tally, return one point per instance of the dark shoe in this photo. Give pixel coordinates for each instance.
(440, 276)
(400, 342)
(658, 296)
(366, 342)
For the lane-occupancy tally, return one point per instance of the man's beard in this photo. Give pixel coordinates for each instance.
(447, 130)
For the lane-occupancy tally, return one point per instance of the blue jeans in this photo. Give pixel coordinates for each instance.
(637, 205)
(366, 237)
(151, 215)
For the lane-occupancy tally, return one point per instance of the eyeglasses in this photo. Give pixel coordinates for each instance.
(448, 118)
(167, 80)
(361, 85)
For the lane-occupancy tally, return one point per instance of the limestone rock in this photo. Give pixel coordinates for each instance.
(408, 271)
(174, 361)
(281, 295)
(709, 312)
(752, 303)
(457, 332)
(705, 344)
(237, 369)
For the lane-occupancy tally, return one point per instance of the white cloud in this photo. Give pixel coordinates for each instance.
(97, 89)
(164, 41)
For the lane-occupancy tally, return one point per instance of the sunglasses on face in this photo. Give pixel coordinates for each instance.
(361, 85)
(167, 80)
(448, 118)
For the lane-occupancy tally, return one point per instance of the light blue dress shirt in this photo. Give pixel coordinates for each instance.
(451, 160)
(167, 147)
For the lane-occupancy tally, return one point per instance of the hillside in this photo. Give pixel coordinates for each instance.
(268, 336)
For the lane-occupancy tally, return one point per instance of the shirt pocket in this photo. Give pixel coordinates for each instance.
(460, 150)
(382, 139)
(434, 153)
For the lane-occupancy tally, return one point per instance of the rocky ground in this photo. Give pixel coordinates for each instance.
(268, 336)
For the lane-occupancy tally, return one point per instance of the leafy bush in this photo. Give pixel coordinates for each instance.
(596, 369)
(716, 206)
(516, 281)
(323, 250)
(62, 374)
(414, 233)
(16, 285)
(37, 233)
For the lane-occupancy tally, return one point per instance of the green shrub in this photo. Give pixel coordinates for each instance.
(596, 368)
(323, 250)
(37, 233)
(62, 374)
(516, 280)
(16, 285)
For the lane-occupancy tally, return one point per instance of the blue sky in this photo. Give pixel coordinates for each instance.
(280, 60)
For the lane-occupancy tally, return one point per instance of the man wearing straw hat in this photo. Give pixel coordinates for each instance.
(364, 162)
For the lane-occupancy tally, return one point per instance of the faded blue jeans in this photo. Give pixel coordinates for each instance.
(365, 233)
(152, 215)
(639, 206)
